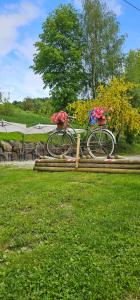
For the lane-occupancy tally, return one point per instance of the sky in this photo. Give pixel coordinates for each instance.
(20, 26)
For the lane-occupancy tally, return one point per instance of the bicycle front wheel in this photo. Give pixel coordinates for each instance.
(59, 143)
(100, 143)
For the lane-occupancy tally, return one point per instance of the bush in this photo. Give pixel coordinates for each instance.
(114, 97)
(7, 109)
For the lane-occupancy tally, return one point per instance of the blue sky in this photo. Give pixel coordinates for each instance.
(20, 25)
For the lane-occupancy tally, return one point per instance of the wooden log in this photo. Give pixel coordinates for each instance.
(54, 164)
(112, 166)
(110, 161)
(88, 165)
(106, 170)
(92, 170)
(99, 161)
(54, 169)
(56, 160)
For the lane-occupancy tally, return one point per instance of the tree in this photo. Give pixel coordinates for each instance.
(0, 97)
(132, 74)
(103, 56)
(28, 104)
(114, 97)
(3, 99)
(36, 105)
(6, 108)
(59, 55)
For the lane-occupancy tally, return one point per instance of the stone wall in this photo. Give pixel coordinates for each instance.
(15, 150)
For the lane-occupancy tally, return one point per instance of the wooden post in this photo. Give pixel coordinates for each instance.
(77, 151)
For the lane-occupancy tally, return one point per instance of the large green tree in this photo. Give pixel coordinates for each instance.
(103, 55)
(59, 55)
(132, 73)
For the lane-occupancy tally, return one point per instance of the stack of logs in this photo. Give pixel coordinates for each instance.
(88, 165)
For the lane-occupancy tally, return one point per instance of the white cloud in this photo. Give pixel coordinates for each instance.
(34, 85)
(16, 51)
(11, 20)
(20, 81)
(26, 49)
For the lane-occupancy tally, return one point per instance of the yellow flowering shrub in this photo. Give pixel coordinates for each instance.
(116, 99)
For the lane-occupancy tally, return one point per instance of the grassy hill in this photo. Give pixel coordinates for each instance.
(25, 117)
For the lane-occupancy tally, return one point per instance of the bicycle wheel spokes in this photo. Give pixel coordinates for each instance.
(100, 144)
(59, 143)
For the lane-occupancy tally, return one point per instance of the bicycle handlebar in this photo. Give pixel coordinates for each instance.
(71, 117)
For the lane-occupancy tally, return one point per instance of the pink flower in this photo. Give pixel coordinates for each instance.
(98, 112)
(59, 117)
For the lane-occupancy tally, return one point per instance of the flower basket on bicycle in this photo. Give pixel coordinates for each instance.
(60, 119)
(60, 125)
(98, 116)
(101, 121)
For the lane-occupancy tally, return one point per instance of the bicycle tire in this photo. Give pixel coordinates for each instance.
(59, 143)
(100, 143)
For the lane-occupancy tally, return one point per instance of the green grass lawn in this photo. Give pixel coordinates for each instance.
(27, 138)
(69, 236)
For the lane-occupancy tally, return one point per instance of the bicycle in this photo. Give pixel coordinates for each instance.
(99, 142)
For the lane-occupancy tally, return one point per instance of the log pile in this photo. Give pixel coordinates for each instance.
(88, 165)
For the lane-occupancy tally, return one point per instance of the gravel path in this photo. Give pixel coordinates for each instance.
(132, 157)
(29, 164)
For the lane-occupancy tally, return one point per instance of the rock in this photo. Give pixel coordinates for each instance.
(29, 147)
(39, 149)
(15, 156)
(2, 157)
(17, 146)
(28, 152)
(29, 156)
(6, 146)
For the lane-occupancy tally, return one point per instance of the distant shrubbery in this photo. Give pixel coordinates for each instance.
(18, 112)
(41, 106)
(30, 111)
(7, 109)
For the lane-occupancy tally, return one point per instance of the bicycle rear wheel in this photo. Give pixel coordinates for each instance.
(59, 143)
(100, 143)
